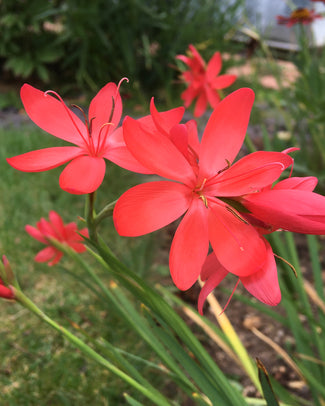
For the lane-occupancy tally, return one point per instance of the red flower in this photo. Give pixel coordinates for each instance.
(290, 205)
(299, 16)
(96, 139)
(203, 185)
(55, 229)
(203, 80)
(5, 292)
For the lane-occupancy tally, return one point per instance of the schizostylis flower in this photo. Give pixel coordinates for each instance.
(203, 80)
(96, 138)
(289, 205)
(54, 229)
(203, 185)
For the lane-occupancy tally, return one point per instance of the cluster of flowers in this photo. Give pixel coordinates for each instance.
(226, 207)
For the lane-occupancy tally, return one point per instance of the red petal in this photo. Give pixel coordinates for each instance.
(57, 224)
(122, 157)
(224, 135)
(105, 107)
(222, 81)
(213, 97)
(200, 105)
(214, 66)
(190, 246)
(150, 206)
(307, 183)
(44, 159)
(237, 245)
(6, 293)
(164, 122)
(294, 210)
(83, 175)
(251, 173)
(46, 254)
(197, 58)
(157, 152)
(264, 284)
(35, 233)
(52, 115)
(216, 273)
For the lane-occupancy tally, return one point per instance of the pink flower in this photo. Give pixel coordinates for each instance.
(299, 16)
(5, 292)
(95, 139)
(202, 185)
(203, 80)
(55, 229)
(290, 205)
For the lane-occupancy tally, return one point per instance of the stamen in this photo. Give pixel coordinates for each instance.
(236, 214)
(99, 143)
(288, 263)
(204, 200)
(68, 112)
(230, 297)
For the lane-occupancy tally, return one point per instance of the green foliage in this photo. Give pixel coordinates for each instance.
(92, 43)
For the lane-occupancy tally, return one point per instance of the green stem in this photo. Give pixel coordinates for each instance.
(155, 396)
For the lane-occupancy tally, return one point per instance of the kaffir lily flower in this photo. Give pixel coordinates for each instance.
(6, 273)
(290, 205)
(203, 80)
(5, 292)
(203, 185)
(55, 229)
(299, 16)
(95, 139)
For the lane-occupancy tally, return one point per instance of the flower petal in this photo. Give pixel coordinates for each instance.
(44, 159)
(46, 254)
(52, 115)
(83, 175)
(294, 210)
(213, 96)
(251, 173)
(150, 206)
(164, 122)
(214, 66)
(237, 245)
(307, 183)
(35, 233)
(122, 157)
(222, 81)
(190, 246)
(264, 284)
(214, 151)
(214, 273)
(105, 107)
(200, 104)
(157, 152)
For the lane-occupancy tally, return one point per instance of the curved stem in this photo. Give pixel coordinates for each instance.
(155, 396)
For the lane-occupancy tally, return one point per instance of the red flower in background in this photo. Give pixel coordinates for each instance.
(96, 138)
(203, 185)
(203, 80)
(55, 229)
(299, 16)
(5, 292)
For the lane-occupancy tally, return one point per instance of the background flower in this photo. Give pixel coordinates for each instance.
(55, 229)
(203, 80)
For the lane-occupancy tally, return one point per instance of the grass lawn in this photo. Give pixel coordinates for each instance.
(38, 367)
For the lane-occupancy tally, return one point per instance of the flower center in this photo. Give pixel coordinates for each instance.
(300, 14)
